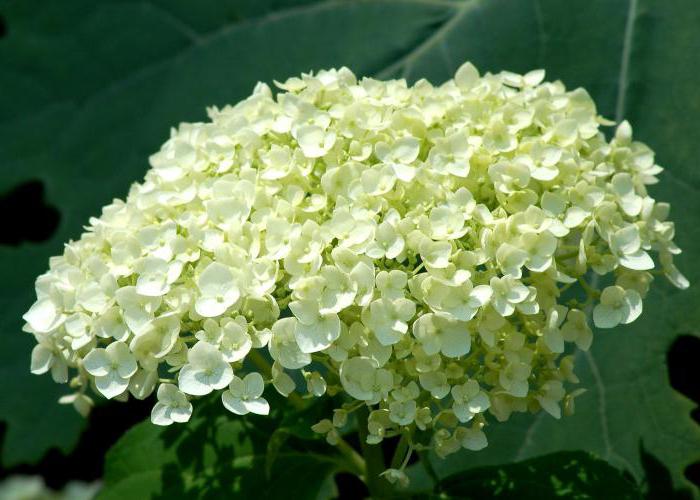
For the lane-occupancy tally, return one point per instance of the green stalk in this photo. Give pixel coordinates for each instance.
(262, 364)
(354, 459)
(379, 488)
(425, 461)
(400, 452)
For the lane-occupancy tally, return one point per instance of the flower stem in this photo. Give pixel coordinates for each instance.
(591, 292)
(400, 452)
(354, 459)
(428, 466)
(262, 364)
(379, 488)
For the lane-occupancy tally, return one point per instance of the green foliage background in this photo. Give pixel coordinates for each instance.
(88, 89)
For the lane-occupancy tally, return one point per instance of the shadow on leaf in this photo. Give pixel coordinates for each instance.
(658, 483)
(32, 219)
(558, 475)
(217, 455)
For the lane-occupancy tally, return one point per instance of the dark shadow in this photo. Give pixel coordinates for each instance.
(684, 372)
(106, 424)
(574, 474)
(30, 217)
(683, 369)
(3, 27)
(658, 483)
(217, 454)
(350, 487)
(208, 446)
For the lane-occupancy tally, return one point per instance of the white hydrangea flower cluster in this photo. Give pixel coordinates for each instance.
(430, 251)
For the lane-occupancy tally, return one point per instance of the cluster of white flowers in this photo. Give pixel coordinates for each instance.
(432, 252)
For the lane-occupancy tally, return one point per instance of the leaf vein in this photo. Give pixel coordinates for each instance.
(541, 33)
(623, 79)
(177, 23)
(406, 62)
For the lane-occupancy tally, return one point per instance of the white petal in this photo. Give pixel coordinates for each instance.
(221, 376)
(258, 406)
(314, 141)
(479, 403)
(152, 285)
(676, 277)
(127, 366)
(634, 306)
(93, 299)
(474, 440)
(462, 413)
(482, 293)
(554, 340)
(550, 407)
(142, 384)
(284, 384)
(42, 358)
(233, 403)
(126, 363)
(59, 371)
(638, 261)
(254, 385)
(456, 341)
(575, 216)
(214, 278)
(283, 346)
(606, 317)
(193, 381)
(97, 363)
(306, 311)
(43, 316)
(160, 414)
(181, 415)
(406, 149)
(352, 372)
(545, 174)
(210, 307)
(111, 385)
(467, 76)
(317, 336)
(403, 172)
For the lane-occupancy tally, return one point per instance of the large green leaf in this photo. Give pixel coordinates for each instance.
(89, 90)
(572, 475)
(214, 456)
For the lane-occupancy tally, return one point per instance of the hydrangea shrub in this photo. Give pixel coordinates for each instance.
(434, 253)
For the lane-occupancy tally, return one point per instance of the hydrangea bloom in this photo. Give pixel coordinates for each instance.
(432, 252)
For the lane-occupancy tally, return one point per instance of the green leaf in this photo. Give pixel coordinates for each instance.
(298, 422)
(214, 456)
(89, 90)
(573, 475)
